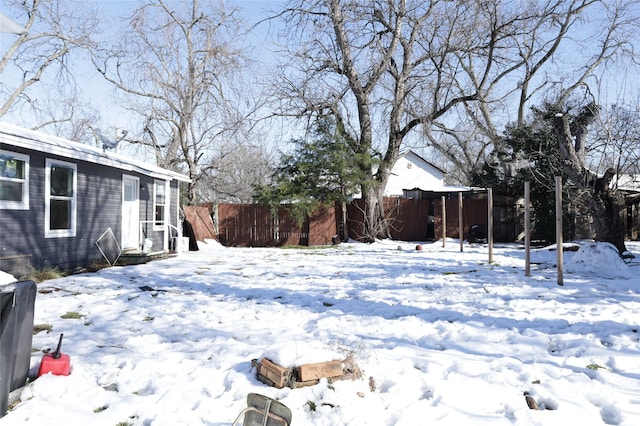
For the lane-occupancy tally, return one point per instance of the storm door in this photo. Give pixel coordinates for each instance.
(130, 212)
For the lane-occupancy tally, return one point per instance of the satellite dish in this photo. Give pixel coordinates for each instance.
(109, 143)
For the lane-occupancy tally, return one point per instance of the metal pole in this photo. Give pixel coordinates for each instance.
(490, 223)
(460, 224)
(444, 220)
(559, 228)
(527, 231)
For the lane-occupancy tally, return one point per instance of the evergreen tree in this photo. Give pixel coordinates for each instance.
(531, 153)
(321, 170)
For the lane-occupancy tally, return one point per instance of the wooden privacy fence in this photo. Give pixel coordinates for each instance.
(408, 219)
(474, 212)
(256, 225)
(199, 218)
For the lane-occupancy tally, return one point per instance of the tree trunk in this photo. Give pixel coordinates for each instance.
(344, 231)
(603, 206)
(608, 224)
(370, 216)
(376, 224)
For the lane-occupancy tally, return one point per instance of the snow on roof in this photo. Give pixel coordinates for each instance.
(420, 158)
(450, 188)
(38, 141)
(629, 182)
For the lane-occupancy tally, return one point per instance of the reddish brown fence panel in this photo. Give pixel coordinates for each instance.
(506, 222)
(408, 219)
(201, 223)
(474, 212)
(244, 224)
(355, 219)
(255, 225)
(287, 232)
(323, 226)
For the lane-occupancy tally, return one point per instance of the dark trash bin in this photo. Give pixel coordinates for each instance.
(17, 303)
(477, 234)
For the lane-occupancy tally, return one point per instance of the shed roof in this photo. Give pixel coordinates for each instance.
(629, 182)
(42, 142)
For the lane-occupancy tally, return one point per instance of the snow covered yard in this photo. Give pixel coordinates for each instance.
(441, 336)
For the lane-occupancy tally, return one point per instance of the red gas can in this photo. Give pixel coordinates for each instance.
(56, 363)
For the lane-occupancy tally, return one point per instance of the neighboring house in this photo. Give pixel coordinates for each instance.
(414, 177)
(411, 171)
(58, 198)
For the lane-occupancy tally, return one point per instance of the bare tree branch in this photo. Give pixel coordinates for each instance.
(181, 67)
(54, 35)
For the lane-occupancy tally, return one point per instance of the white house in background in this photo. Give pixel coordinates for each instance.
(414, 177)
(411, 171)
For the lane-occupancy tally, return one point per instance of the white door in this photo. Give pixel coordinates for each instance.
(130, 212)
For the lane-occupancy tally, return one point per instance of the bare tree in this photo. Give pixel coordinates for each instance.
(234, 173)
(604, 204)
(452, 68)
(617, 141)
(367, 62)
(531, 52)
(71, 118)
(43, 57)
(180, 68)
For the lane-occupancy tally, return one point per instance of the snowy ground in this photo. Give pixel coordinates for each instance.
(442, 337)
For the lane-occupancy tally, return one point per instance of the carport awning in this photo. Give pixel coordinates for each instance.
(447, 189)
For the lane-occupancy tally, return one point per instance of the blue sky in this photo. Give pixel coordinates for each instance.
(113, 13)
(97, 90)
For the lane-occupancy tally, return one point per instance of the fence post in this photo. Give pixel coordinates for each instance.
(559, 228)
(460, 224)
(490, 223)
(444, 220)
(527, 231)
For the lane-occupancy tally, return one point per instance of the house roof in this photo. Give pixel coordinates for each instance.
(446, 189)
(420, 158)
(629, 182)
(42, 142)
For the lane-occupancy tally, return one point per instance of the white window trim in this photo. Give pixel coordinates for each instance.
(17, 205)
(165, 219)
(56, 233)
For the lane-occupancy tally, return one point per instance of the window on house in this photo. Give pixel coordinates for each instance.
(14, 181)
(60, 199)
(159, 202)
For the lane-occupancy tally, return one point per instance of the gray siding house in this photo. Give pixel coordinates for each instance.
(59, 197)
